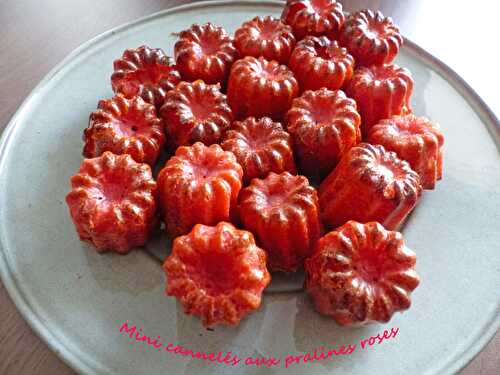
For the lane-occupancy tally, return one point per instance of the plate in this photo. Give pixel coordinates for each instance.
(77, 300)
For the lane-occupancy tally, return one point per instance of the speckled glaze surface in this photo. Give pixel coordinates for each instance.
(76, 299)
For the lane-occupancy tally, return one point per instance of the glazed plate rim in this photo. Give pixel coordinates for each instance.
(78, 361)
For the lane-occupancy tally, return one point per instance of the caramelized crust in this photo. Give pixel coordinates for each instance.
(324, 125)
(124, 126)
(416, 140)
(369, 184)
(380, 92)
(146, 72)
(260, 88)
(199, 185)
(260, 146)
(319, 62)
(361, 273)
(371, 38)
(112, 202)
(195, 112)
(282, 211)
(205, 52)
(314, 17)
(217, 273)
(266, 36)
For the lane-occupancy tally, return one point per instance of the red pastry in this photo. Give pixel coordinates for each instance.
(324, 125)
(112, 202)
(124, 126)
(416, 140)
(371, 38)
(195, 112)
(314, 17)
(199, 185)
(380, 91)
(282, 211)
(261, 146)
(265, 36)
(320, 62)
(259, 88)
(205, 52)
(361, 273)
(217, 273)
(146, 72)
(369, 184)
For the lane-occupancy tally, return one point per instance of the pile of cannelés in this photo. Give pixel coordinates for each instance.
(290, 145)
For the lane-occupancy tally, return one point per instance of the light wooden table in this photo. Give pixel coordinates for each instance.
(36, 35)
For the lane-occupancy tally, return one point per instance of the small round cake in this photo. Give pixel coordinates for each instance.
(369, 184)
(380, 92)
(282, 212)
(324, 125)
(314, 17)
(195, 112)
(361, 273)
(416, 140)
(260, 88)
(205, 52)
(124, 126)
(371, 38)
(217, 273)
(260, 146)
(319, 62)
(265, 36)
(112, 202)
(146, 72)
(199, 185)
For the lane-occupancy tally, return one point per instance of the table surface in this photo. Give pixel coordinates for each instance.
(35, 36)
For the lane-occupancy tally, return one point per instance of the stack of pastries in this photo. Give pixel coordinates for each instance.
(291, 145)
